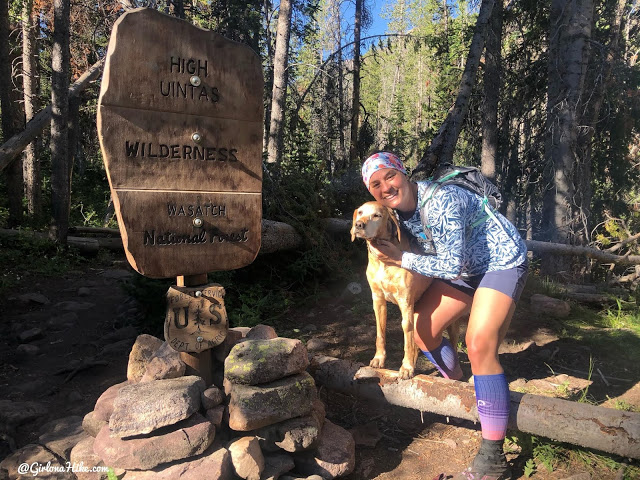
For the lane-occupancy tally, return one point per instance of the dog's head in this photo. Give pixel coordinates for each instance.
(373, 220)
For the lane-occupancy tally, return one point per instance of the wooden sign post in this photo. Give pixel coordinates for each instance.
(180, 125)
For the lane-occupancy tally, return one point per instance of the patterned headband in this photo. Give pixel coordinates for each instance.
(378, 161)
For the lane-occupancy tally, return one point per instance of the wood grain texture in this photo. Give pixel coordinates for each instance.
(185, 205)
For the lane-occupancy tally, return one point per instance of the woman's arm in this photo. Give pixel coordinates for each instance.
(447, 217)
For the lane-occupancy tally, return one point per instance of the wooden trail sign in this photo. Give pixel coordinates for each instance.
(196, 317)
(180, 125)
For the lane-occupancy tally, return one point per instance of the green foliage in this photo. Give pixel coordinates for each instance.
(25, 256)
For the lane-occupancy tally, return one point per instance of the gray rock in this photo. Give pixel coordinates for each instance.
(83, 454)
(165, 363)
(33, 298)
(212, 397)
(334, 457)
(73, 306)
(35, 455)
(253, 362)
(13, 414)
(186, 439)
(84, 292)
(92, 425)
(28, 350)
(144, 407)
(117, 274)
(37, 386)
(579, 476)
(293, 435)
(141, 353)
(252, 407)
(63, 322)
(61, 435)
(216, 415)
(214, 464)
(545, 305)
(309, 328)
(74, 397)
(104, 405)
(275, 465)
(261, 332)
(247, 458)
(30, 335)
(317, 345)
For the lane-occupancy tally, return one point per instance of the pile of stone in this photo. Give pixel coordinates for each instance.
(264, 423)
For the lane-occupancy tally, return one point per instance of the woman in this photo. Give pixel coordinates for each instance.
(479, 268)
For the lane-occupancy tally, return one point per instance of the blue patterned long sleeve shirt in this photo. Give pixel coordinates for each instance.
(462, 250)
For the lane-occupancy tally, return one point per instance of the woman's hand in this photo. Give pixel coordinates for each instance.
(387, 252)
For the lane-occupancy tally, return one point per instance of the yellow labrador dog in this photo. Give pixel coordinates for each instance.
(389, 283)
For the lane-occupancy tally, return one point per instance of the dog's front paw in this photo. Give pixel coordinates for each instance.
(377, 362)
(406, 373)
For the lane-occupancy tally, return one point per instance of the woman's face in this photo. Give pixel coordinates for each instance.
(392, 189)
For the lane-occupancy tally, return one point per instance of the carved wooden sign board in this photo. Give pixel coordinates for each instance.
(180, 127)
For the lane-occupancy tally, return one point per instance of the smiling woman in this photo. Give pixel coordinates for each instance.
(478, 269)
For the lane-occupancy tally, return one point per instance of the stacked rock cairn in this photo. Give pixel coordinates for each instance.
(261, 419)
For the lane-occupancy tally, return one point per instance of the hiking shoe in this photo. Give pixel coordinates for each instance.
(470, 474)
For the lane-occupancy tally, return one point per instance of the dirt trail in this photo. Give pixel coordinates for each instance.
(86, 333)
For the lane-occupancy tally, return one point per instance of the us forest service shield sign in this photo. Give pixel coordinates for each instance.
(180, 125)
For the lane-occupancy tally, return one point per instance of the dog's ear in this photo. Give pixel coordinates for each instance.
(353, 225)
(395, 223)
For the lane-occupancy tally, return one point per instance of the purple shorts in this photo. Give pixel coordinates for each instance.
(510, 282)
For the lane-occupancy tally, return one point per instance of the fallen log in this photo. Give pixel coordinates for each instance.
(608, 430)
(16, 144)
(562, 249)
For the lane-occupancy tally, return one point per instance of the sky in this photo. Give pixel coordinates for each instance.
(379, 25)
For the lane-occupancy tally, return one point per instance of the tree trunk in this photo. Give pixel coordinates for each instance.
(280, 80)
(11, 118)
(570, 32)
(443, 145)
(268, 81)
(604, 429)
(12, 147)
(31, 161)
(584, 191)
(492, 66)
(355, 97)
(60, 158)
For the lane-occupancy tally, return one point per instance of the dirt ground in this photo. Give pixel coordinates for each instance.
(79, 356)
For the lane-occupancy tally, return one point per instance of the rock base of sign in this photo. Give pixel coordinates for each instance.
(273, 428)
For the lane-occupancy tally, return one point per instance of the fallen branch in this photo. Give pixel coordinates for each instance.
(79, 365)
(605, 429)
(16, 144)
(562, 249)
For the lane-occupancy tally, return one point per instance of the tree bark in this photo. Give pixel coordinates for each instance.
(355, 97)
(60, 158)
(443, 145)
(11, 117)
(280, 80)
(492, 66)
(583, 177)
(605, 429)
(30, 84)
(570, 32)
(14, 145)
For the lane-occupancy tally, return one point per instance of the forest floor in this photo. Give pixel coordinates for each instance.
(82, 349)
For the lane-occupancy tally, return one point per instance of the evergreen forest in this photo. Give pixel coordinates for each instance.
(541, 95)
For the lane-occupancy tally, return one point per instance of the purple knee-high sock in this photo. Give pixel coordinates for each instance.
(492, 397)
(445, 358)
